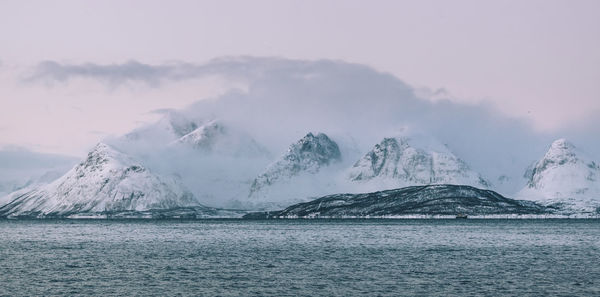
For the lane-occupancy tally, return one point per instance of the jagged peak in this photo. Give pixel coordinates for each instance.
(103, 154)
(393, 141)
(561, 144)
(414, 160)
(309, 137)
(309, 154)
(565, 175)
(101, 151)
(101, 147)
(560, 152)
(560, 141)
(320, 146)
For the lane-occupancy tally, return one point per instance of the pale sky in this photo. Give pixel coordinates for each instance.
(534, 59)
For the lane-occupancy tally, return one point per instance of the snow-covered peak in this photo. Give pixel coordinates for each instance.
(313, 151)
(307, 156)
(561, 154)
(404, 161)
(107, 180)
(562, 144)
(565, 175)
(101, 154)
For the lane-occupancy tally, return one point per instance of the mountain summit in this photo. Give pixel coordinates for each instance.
(565, 176)
(305, 157)
(404, 161)
(106, 181)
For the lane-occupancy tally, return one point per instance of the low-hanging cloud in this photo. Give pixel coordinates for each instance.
(285, 99)
(20, 167)
(115, 74)
(155, 75)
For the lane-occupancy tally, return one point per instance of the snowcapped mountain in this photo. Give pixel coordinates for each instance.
(304, 159)
(404, 161)
(106, 181)
(215, 137)
(565, 176)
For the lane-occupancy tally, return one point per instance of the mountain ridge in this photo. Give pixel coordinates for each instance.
(448, 200)
(107, 180)
(396, 162)
(564, 176)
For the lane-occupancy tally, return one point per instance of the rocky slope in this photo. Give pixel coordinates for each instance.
(565, 177)
(106, 181)
(417, 200)
(404, 161)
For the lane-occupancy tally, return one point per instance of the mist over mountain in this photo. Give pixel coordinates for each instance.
(401, 162)
(21, 168)
(237, 149)
(284, 99)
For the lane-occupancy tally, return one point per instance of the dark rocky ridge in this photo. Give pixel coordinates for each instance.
(416, 200)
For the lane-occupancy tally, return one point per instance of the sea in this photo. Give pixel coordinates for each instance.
(551, 257)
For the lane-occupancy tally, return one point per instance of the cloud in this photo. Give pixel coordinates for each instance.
(353, 103)
(114, 74)
(356, 105)
(154, 75)
(584, 134)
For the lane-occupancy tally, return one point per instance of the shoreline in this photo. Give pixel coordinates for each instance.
(387, 217)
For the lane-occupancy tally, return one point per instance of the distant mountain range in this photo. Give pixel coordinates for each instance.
(298, 131)
(111, 182)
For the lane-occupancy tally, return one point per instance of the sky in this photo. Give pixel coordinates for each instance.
(537, 61)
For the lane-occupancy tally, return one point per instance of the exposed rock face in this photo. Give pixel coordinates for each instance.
(396, 163)
(307, 156)
(566, 177)
(416, 200)
(106, 181)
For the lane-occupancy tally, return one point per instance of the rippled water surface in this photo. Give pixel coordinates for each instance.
(289, 258)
